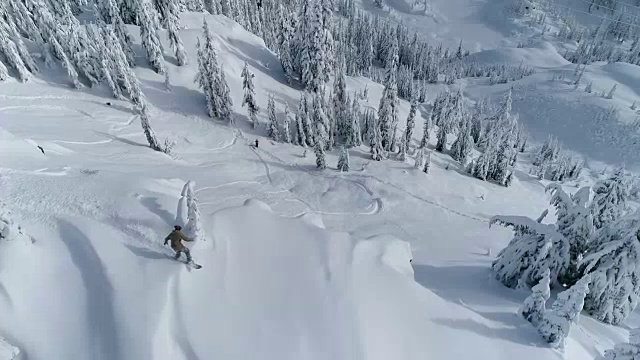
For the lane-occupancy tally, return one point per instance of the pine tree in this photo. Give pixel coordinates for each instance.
(419, 160)
(340, 109)
(148, 132)
(172, 23)
(343, 160)
(575, 222)
(625, 351)
(533, 308)
(427, 163)
(284, 50)
(375, 139)
(402, 151)
(314, 37)
(10, 52)
(223, 100)
(301, 121)
(426, 131)
(249, 95)
(615, 277)
(205, 78)
(149, 36)
(193, 227)
(612, 91)
(442, 138)
(356, 135)
(477, 119)
(320, 134)
(388, 108)
(609, 200)
(534, 248)
(286, 121)
(461, 148)
(411, 123)
(273, 130)
(556, 324)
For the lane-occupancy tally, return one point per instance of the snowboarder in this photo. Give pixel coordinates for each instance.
(176, 236)
(256, 143)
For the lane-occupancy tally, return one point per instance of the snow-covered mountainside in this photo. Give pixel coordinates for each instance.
(385, 248)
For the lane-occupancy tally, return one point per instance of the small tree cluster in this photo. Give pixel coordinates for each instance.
(212, 80)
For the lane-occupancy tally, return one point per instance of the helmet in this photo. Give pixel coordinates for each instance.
(178, 227)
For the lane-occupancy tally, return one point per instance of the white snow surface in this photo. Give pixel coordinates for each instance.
(298, 264)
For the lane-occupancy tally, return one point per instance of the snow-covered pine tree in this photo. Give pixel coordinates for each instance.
(534, 248)
(249, 95)
(9, 229)
(340, 109)
(356, 135)
(402, 150)
(533, 308)
(612, 263)
(427, 162)
(284, 49)
(609, 199)
(205, 78)
(301, 121)
(286, 124)
(10, 51)
(426, 128)
(575, 222)
(223, 101)
(148, 132)
(612, 91)
(343, 160)
(388, 108)
(172, 23)
(556, 324)
(148, 21)
(625, 351)
(273, 129)
(320, 133)
(461, 148)
(375, 139)
(312, 37)
(411, 123)
(419, 160)
(441, 145)
(194, 227)
(4, 72)
(477, 119)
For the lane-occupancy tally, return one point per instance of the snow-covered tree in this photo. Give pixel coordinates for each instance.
(461, 148)
(148, 21)
(355, 138)
(533, 308)
(340, 106)
(575, 222)
(625, 351)
(388, 108)
(609, 199)
(320, 132)
(302, 122)
(172, 23)
(273, 129)
(534, 248)
(411, 123)
(249, 95)
(427, 162)
(426, 128)
(612, 91)
(343, 160)
(419, 160)
(194, 227)
(9, 229)
(286, 124)
(556, 324)
(148, 132)
(442, 138)
(211, 79)
(316, 44)
(375, 139)
(615, 274)
(205, 78)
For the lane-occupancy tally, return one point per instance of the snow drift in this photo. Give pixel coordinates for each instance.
(540, 54)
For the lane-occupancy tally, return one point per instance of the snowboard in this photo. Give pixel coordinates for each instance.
(193, 264)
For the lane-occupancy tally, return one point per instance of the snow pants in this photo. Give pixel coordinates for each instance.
(186, 252)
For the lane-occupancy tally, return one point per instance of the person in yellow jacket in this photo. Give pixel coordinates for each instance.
(176, 236)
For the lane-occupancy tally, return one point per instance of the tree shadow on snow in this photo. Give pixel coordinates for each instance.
(152, 204)
(99, 291)
(510, 331)
(147, 253)
(453, 283)
(122, 140)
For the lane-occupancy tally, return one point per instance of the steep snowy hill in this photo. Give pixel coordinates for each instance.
(314, 266)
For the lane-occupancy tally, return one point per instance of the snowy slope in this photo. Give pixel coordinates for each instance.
(98, 284)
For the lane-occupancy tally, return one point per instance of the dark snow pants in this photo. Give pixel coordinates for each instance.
(186, 252)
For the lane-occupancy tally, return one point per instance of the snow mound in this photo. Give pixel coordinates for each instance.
(7, 351)
(281, 288)
(540, 54)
